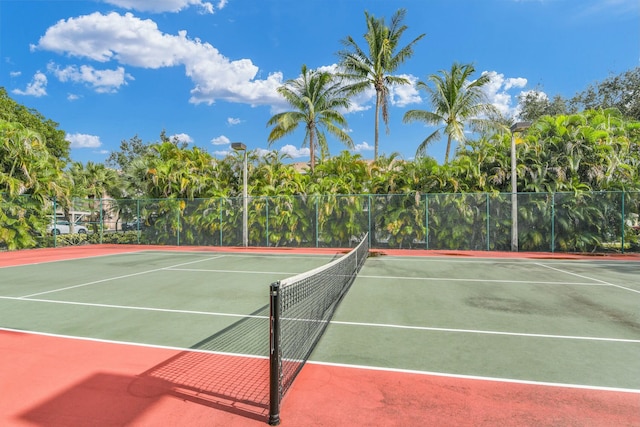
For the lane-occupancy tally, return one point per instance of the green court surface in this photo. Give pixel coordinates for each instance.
(158, 298)
(569, 322)
(565, 322)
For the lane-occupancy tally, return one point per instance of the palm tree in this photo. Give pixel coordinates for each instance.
(29, 176)
(343, 174)
(275, 178)
(172, 171)
(455, 100)
(94, 180)
(374, 69)
(92, 183)
(316, 97)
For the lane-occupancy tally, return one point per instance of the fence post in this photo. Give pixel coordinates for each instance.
(178, 222)
(220, 205)
(266, 198)
(426, 219)
(488, 224)
(55, 221)
(317, 226)
(553, 222)
(138, 220)
(622, 221)
(369, 214)
(101, 220)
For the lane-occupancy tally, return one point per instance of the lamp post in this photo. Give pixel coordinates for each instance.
(516, 127)
(239, 146)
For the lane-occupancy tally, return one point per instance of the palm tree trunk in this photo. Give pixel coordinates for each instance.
(446, 154)
(312, 150)
(377, 125)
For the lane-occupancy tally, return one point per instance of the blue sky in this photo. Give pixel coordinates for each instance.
(207, 71)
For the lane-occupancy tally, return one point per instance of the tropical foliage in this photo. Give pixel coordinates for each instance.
(374, 65)
(316, 97)
(620, 92)
(577, 170)
(26, 169)
(455, 101)
(578, 176)
(52, 137)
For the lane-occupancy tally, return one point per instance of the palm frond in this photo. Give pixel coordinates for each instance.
(422, 148)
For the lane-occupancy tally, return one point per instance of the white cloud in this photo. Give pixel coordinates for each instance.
(231, 121)
(73, 97)
(295, 152)
(365, 100)
(403, 95)
(15, 74)
(362, 101)
(165, 5)
(181, 137)
(332, 69)
(220, 140)
(261, 152)
(102, 81)
(399, 96)
(364, 146)
(136, 42)
(81, 140)
(37, 87)
(359, 102)
(517, 82)
(497, 92)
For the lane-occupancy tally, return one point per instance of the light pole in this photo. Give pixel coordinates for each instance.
(239, 146)
(516, 127)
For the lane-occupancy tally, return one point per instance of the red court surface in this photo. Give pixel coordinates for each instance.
(52, 381)
(31, 256)
(34, 256)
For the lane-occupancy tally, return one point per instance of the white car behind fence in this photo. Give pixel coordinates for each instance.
(63, 227)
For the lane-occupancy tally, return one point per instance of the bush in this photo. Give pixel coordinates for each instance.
(75, 239)
(123, 238)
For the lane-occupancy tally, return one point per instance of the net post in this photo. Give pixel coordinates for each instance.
(274, 354)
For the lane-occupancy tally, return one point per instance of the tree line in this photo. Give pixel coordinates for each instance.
(584, 144)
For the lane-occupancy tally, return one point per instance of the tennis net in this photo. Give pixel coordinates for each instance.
(301, 308)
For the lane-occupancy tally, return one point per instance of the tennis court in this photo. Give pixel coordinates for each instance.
(103, 335)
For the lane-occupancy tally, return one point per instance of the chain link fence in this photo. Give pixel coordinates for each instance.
(547, 222)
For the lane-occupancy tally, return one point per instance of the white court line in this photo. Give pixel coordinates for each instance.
(375, 325)
(480, 378)
(73, 259)
(133, 307)
(206, 270)
(133, 344)
(484, 332)
(118, 277)
(589, 278)
(342, 365)
(514, 261)
(241, 254)
(449, 279)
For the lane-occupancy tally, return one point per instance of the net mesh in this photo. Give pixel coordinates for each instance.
(306, 304)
